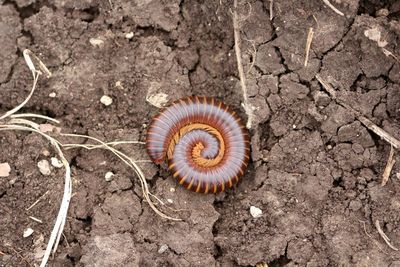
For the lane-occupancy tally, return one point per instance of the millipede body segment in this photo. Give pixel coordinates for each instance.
(204, 141)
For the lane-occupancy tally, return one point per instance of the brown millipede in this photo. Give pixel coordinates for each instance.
(204, 141)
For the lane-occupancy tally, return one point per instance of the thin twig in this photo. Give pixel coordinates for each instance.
(384, 236)
(379, 131)
(31, 115)
(337, 11)
(37, 201)
(308, 45)
(35, 219)
(369, 124)
(373, 239)
(389, 166)
(271, 9)
(236, 30)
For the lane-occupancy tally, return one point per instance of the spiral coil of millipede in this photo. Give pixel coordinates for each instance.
(204, 141)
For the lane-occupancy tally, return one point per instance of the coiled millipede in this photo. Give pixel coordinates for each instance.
(204, 141)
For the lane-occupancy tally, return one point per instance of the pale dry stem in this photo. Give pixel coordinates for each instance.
(249, 109)
(308, 45)
(367, 123)
(389, 166)
(128, 161)
(337, 11)
(384, 236)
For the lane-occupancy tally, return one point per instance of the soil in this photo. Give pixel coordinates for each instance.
(316, 170)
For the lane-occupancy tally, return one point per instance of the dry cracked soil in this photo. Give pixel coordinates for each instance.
(315, 170)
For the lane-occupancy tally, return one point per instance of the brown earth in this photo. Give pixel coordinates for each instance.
(315, 172)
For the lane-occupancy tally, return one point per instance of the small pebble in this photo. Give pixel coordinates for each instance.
(129, 35)
(109, 176)
(398, 175)
(56, 163)
(170, 200)
(96, 42)
(106, 100)
(162, 249)
(172, 189)
(382, 12)
(28, 232)
(255, 212)
(44, 167)
(45, 152)
(5, 169)
(52, 95)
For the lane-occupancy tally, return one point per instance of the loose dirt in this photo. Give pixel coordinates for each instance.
(315, 171)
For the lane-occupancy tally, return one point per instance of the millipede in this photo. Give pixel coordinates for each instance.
(204, 141)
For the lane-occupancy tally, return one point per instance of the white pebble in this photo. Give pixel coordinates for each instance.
(5, 169)
(52, 95)
(44, 167)
(106, 100)
(255, 212)
(56, 163)
(96, 42)
(157, 100)
(129, 35)
(170, 200)
(163, 248)
(28, 232)
(109, 176)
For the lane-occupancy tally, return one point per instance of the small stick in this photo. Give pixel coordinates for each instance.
(35, 219)
(367, 123)
(37, 201)
(376, 242)
(271, 9)
(389, 166)
(337, 11)
(327, 86)
(308, 45)
(384, 236)
(236, 30)
(379, 131)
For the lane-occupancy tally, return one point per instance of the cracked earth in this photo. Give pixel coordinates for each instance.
(315, 171)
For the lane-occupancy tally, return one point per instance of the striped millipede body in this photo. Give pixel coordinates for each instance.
(204, 141)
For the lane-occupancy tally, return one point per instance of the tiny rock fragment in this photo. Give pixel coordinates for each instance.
(28, 232)
(170, 200)
(5, 169)
(374, 34)
(382, 12)
(129, 35)
(119, 85)
(109, 176)
(106, 100)
(162, 248)
(45, 152)
(47, 128)
(96, 42)
(52, 95)
(44, 167)
(157, 100)
(55, 162)
(255, 212)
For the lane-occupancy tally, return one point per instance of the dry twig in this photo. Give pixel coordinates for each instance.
(389, 166)
(384, 236)
(271, 9)
(249, 109)
(369, 124)
(337, 11)
(308, 45)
